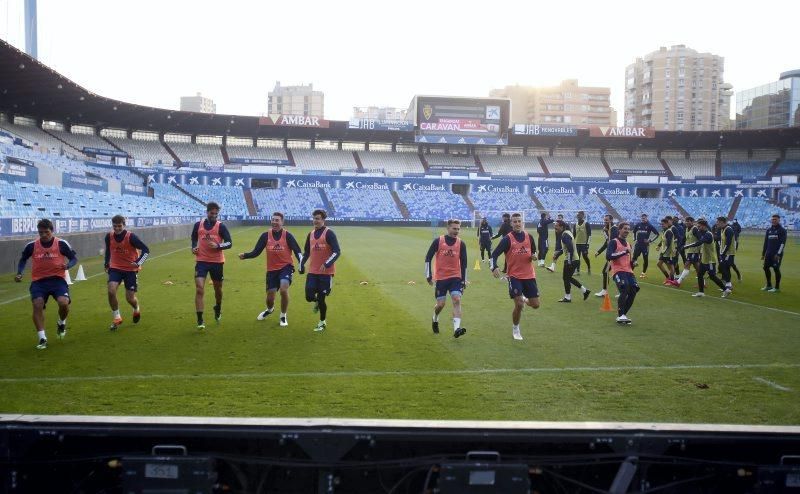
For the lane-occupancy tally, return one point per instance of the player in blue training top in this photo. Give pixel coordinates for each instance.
(772, 253)
(726, 250)
(645, 234)
(543, 233)
(485, 238)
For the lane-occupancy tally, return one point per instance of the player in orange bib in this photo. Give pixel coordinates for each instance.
(51, 257)
(320, 252)
(125, 253)
(619, 257)
(280, 245)
(520, 253)
(210, 238)
(450, 274)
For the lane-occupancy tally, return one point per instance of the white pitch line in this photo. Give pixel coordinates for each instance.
(772, 384)
(432, 372)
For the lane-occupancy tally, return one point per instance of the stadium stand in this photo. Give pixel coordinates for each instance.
(746, 169)
(293, 203)
(755, 212)
(36, 136)
(148, 152)
(363, 204)
(510, 165)
(80, 141)
(706, 207)
(569, 204)
(430, 205)
(631, 208)
(257, 153)
(499, 203)
(31, 200)
(198, 153)
(576, 167)
(324, 159)
(442, 160)
(170, 193)
(625, 165)
(229, 197)
(391, 163)
(691, 168)
(788, 167)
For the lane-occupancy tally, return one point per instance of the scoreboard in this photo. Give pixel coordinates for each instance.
(468, 120)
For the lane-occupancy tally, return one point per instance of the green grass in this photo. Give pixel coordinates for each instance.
(683, 360)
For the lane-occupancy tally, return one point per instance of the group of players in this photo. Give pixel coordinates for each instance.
(125, 253)
(696, 243)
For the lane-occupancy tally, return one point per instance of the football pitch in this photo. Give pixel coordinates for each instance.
(684, 359)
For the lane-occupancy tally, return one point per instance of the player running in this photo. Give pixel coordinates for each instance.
(280, 245)
(210, 238)
(621, 265)
(520, 251)
(503, 230)
(692, 253)
(610, 232)
(321, 251)
(727, 250)
(570, 263)
(124, 255)
(51, 257)
(708, 259)
(543, 233)
(450, 274)
(667, 249)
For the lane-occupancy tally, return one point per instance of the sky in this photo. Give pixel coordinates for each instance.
(380, 53)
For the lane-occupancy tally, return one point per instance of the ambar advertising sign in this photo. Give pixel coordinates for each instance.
(294, 121)
(640, 132)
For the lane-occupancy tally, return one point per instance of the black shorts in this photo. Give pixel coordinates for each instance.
(274, 278)
(666, 259)
(450, 285)
(625, 279)
(203, 269)
(486, 244)
(692, 257)
(319, 283)
(129, 278)
(582, 249)
(709, 268)
(641, 250)
(770, 262)
(527, 288)
(49, 287)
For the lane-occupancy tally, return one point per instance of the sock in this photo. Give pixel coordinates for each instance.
(137, 309)
(568, 296)
(456, 323)
(62, 321)
(41, 334)
(115, 313)
(516, 327)
(584, 289)
(270, 309)
(683, 275)
(283, 314)
(435, 317)
(199, 317)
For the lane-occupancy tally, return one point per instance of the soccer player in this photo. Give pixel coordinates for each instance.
(280, 245)
(737, 230)
(692, 253)
(520, 250)
(679, 229)
(772, 253)
(570, 263)
(321, 251)
(645, 234)
(582, 232)
(543, 233)
(666, 253)
(450, 274)
(708, 259)
(610, 232)
(726, 250)
(618, 256)
(502, 231)
(552, 266)
(210, 238)
(51, 256)
(485, 238)
(124, 255)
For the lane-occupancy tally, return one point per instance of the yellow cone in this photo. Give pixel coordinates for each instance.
(477, 265)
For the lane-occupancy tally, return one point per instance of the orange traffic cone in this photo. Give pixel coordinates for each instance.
(606, 307)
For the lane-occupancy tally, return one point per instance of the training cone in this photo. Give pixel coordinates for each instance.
(81, 276)
(68, 277)
(606, 307)
(477, 265)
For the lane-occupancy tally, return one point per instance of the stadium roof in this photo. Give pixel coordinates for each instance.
(30, 88)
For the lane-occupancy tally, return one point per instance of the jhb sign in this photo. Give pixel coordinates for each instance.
(641, 132)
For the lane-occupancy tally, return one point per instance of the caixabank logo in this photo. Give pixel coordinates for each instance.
(358, 185)
(298, 183)
(423, 187)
